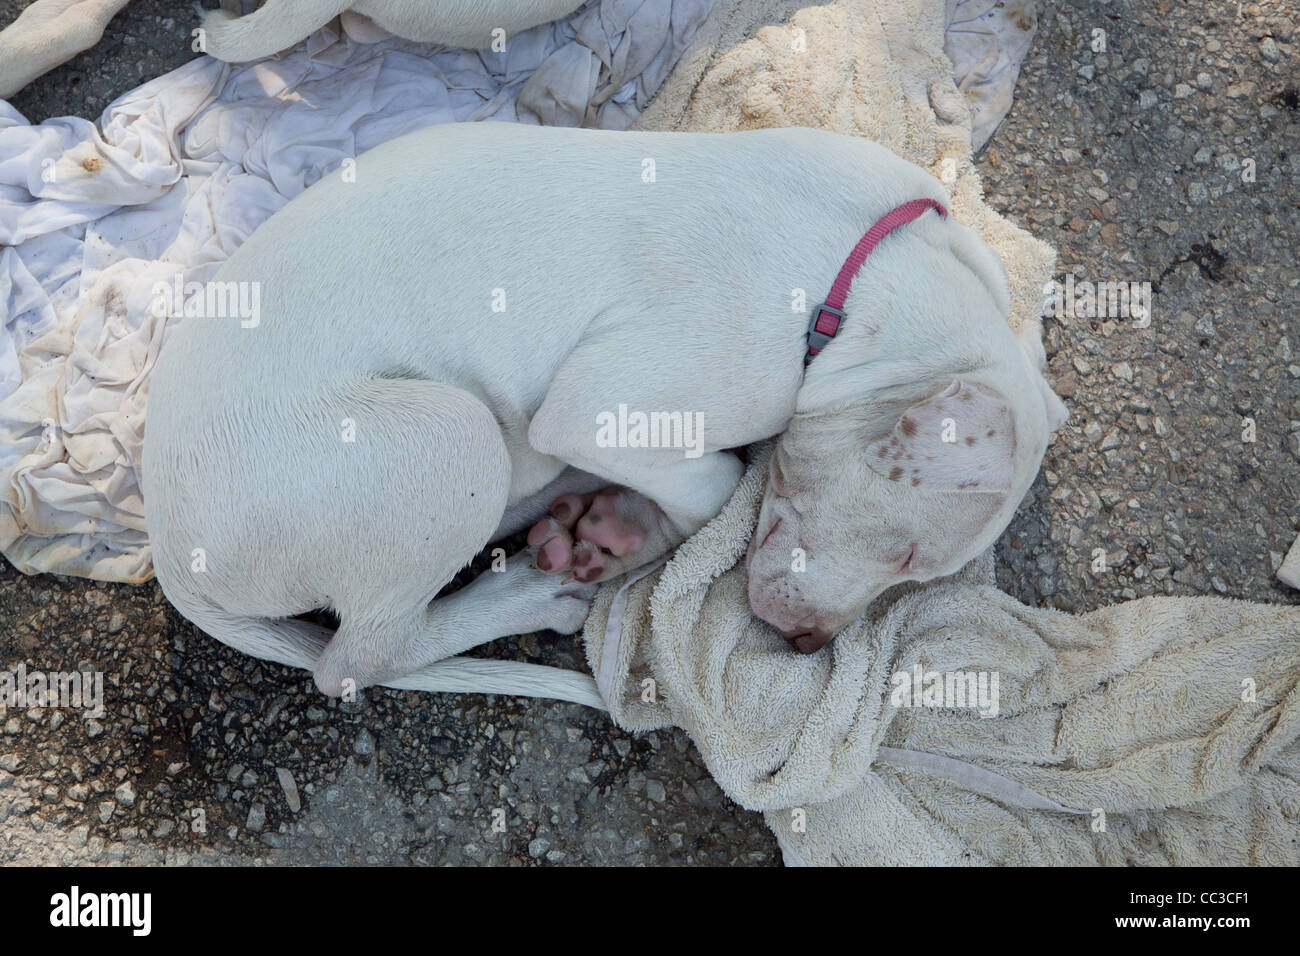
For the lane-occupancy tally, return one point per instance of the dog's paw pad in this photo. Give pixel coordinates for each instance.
(590, 536)
(588, 562)
(553, 543)
(604, 527)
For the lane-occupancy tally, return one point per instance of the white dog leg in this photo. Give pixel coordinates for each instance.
(275, 26)
(361, 28)
(519, 599)
(47, 34)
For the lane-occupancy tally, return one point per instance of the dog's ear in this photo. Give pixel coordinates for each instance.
(961, 439)
(977, 255)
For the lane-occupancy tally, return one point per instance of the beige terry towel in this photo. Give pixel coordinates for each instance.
(1160, 731)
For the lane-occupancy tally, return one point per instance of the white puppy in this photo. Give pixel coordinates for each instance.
(279, 24)
(452, 339)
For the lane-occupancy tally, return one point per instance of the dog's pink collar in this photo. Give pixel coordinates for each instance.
(826, 318)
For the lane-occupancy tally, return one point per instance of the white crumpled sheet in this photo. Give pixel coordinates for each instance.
(986, 40)
(175, 176)
(180, 171)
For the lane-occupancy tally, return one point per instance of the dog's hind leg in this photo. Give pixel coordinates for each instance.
(47, 34)
(299, 644)
(366, 497)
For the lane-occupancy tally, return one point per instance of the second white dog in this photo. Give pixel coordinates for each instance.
(279, 24)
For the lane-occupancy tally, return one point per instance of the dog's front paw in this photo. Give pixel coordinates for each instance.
(595, 537)
(566, 613)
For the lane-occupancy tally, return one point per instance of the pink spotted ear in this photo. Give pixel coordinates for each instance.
(962, 439)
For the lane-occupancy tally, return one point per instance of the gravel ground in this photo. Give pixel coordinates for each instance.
(1136, 162)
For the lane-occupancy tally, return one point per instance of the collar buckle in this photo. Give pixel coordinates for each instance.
(823, 325)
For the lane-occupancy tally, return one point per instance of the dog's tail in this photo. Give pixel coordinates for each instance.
(473, 675)
(275, 26)
(299, 644)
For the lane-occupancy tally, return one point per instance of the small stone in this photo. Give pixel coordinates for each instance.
(1111, 440)
(537, 847)
(290, 788)
(1147, 99)
(1293, 440)
(116, 622)
(125, 794)
(1162, 430)
(1197, 193)
(1205, 324)
(1124, 371)
(1087, 71)
(654, 789)
(364, 745)
(1204, 81)
(256, 818)
(1203, 156)
(1268, 50)
(94, 728)
(106, 810)
(1092, 433)
(1238, 90)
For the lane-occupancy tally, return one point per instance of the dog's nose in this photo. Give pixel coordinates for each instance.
(807, 640)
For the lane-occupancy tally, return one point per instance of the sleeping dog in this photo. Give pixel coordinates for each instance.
(465, 336)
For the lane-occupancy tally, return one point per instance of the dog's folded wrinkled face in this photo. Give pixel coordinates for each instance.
(866, 498)
(913, 442)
